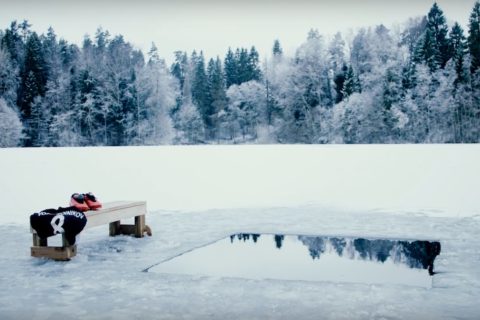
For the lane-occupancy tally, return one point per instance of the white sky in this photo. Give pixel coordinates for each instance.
(214, 25)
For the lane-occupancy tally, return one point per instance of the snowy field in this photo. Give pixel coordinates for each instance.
(197, 195)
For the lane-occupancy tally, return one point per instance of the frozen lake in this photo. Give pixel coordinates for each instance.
(438, 180)
(198, 195)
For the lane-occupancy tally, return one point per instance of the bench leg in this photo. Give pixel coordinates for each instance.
(65, 242)
(114, 228)
(139, 226)
(39, 242)
(55, 253)
(40, 249)
(137, 229)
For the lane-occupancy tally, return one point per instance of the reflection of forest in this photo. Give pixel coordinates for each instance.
(415, 254)
(245, 236)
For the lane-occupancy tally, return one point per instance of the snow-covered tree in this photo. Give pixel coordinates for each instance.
(58, 101)
(190, 125)
(10, 126)
(336, 52)
(9, 80)
(247, 104)
(157, 92)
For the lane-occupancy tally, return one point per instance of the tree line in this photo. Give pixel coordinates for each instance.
(416, 84)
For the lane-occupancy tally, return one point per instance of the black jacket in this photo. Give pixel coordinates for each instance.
(69, 221)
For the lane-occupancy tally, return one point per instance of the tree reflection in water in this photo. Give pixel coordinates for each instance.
(415, 254)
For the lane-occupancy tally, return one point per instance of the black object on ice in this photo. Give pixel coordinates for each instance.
(70, 221)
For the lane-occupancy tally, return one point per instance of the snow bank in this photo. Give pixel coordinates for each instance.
(433, 179)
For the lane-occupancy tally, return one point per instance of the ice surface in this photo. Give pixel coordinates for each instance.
(394, 192)
(105, 280)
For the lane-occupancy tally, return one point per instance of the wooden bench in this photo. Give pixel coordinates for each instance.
(111, 213)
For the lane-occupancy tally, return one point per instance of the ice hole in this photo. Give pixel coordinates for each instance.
(310, 258)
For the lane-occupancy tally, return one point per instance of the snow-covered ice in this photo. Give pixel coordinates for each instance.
(197, 195)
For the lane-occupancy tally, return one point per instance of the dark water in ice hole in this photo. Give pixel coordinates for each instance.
(310, 258)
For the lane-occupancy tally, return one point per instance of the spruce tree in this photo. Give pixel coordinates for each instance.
(339, 80)
(179, 67)
(13, 43)
(459, 51)
(277, 49)
(153, 56)
(351, 83)
(216, 85)
(474, 37)
(33, 81)
(433, 47)
(438, 28)
(431, 51)
(243, 64)
(200, 91)
(231, 69)
(254, 72)
(53, 63)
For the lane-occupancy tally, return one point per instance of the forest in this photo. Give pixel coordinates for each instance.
(415, 83)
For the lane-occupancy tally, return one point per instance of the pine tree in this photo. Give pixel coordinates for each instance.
(430, 51)
(32, 85)
(34, 75)
(339, 80)
(351, 83)
(277, 49)
(53, 61)
(69, 54)
(216, 85)
(459, 51)
(391, 96)
(243, 64)
(14, 44)
(39, 123)
(102, 38)
(231, 69)
(200, 90)
(437, 25)
(254, 72)
(179, 67)
(474, 37)
(153, 56)
(472, 133)
(433, 48)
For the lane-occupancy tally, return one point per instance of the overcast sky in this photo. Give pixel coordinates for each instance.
(214, 25)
